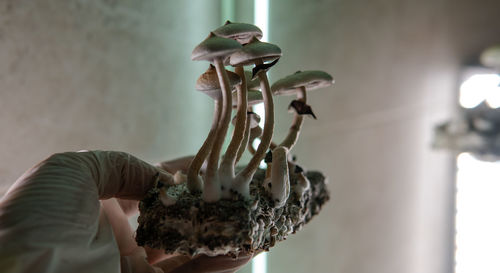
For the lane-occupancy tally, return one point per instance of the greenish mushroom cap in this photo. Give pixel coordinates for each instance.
(254, 51)
(240, 32)
(214, 47)
(209, 84)
(310, 79)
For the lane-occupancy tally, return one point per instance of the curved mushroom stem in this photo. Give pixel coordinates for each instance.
(294, 131)
(194, 182)
(254, 134)
(226, 170)
(244, 143)
(211, 188)
(242, 180)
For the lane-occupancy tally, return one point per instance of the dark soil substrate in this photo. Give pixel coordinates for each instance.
(191, 226)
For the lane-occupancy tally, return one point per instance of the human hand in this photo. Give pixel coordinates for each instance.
(51, 220)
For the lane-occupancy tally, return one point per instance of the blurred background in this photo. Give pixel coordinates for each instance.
(117, 75)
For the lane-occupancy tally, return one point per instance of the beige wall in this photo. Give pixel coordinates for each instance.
(396, 65)
(117, 75)
(114, 75)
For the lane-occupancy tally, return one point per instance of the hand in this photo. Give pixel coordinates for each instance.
(51, 220)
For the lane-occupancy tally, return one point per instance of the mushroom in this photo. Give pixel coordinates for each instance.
(226, 169)
(252, 121)
(280, 183)
(303, 184)
(298, 83)
(257, 53)
(208, 83)
(240, 32)
(216, 50)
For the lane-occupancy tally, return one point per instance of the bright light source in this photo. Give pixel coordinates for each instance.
(478, 88)
(261, 17)
(259, 263)
(227, 10)
(477, 222)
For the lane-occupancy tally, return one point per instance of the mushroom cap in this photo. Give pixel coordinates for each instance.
(240, 32)
(252, 84)
(253, 51)
(214, 47)
(209, 84)
(253, 97)
(310, 79)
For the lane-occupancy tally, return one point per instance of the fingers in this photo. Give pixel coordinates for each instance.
(122, 175)
(129, 207)
(179, 164)
(121, 228)
(204, 264)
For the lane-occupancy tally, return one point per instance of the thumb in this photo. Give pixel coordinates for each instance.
(121, 175)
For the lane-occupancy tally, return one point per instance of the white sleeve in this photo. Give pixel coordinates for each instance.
(51, 221)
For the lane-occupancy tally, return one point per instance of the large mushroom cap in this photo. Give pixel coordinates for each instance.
(255, 50)
(240, 32)
(209, 84)
(311, 79)
(214, 47)
(253, 97)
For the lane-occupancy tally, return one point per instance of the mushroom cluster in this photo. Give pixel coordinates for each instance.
(225, 208)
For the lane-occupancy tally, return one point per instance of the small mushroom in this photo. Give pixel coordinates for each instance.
(280, 189)
(209, 84)
(303, 184)
(297, 84)
(240, 32)
(215, 50)
(256, 53)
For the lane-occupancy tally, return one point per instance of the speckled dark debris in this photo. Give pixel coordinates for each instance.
(228, 226)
